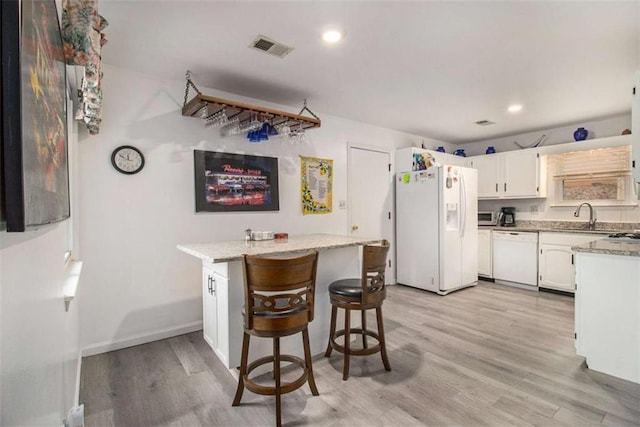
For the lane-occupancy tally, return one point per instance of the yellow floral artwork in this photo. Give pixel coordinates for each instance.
(316, 185)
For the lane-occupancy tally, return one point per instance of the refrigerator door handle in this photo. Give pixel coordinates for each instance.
(463, 204)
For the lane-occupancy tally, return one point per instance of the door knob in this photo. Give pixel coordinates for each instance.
(354, 227)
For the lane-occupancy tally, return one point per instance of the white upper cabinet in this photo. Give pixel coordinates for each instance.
(489, 175)
(510, 175)
(521, 174)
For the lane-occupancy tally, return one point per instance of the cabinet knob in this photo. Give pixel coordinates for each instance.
(354, 227)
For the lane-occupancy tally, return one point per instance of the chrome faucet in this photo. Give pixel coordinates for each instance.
(592, 216)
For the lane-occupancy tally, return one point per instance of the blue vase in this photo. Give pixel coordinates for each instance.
(440, 149)
(490, 150)
(460, 152)
(580, 134)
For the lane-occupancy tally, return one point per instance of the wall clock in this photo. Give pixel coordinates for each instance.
(127, 159)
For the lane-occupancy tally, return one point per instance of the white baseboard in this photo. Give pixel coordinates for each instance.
(161, 334)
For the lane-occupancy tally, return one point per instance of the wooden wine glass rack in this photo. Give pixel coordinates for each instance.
(243, 111)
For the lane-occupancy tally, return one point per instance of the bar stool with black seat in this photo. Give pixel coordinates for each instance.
(364, 293)
(279, 299)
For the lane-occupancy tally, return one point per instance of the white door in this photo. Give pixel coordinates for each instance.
(370, 196)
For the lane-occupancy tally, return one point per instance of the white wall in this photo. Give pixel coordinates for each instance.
(561, 135)
(137, 284)
(39, 344)
(39, 351)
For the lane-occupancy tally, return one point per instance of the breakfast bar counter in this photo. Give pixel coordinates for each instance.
(223, 288)
(234, 250)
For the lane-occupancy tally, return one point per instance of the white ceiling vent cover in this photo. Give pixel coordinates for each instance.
(270, 46)
(484, 123)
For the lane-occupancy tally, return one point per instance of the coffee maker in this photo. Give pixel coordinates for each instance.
(507, 217)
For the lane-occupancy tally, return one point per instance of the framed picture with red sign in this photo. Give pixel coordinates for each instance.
(226, 182)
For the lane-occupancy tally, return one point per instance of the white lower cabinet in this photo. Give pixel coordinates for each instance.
(485, 254)
(209, 306)
(215, 308)
(607, 313)
(556, 259)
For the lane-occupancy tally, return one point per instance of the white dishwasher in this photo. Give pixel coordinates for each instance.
(515, 257)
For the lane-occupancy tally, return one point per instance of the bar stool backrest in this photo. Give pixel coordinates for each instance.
(279, 293)
(374, 265)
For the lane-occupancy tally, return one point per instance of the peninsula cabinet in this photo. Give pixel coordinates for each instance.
(556, 259)
(607, 308)
(510, 175)
(215, 308)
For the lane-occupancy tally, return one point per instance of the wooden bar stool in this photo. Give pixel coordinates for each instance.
(362, 294)
(279, 298)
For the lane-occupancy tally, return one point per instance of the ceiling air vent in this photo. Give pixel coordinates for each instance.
(484, 123)
(272, 47)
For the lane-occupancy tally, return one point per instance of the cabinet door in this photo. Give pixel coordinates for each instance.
(209, 308)
(222, 319)
(520, 174)
(485, 261)
(488, 175)
(555, 267)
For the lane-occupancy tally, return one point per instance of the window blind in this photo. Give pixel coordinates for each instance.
(599, 163)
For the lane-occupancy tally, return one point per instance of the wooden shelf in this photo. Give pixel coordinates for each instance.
(243, 111)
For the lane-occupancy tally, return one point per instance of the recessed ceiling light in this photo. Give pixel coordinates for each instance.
(514, 108)
(332, 36)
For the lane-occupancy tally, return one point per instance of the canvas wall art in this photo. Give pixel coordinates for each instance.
(36, 177)
(227, 182)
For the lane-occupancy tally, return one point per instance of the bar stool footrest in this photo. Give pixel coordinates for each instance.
(360, 351)
(284, 387)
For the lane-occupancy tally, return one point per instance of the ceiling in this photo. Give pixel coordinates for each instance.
(426, 68)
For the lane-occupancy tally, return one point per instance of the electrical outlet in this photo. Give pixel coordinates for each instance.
(533, 209)
(342, 204)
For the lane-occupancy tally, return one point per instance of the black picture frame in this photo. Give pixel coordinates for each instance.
(34, 115)
(227, 182)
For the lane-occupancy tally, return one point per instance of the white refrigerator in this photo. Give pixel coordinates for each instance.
(437, 228)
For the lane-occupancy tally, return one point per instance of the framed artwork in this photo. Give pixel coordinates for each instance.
(316, 185)
(227, 182)
(34, 115)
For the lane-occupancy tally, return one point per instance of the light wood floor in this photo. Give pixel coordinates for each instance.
(489, 355)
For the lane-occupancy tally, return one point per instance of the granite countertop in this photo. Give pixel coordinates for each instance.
(602, 228)
(234, 250)
(550, 230)
(611, 247)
